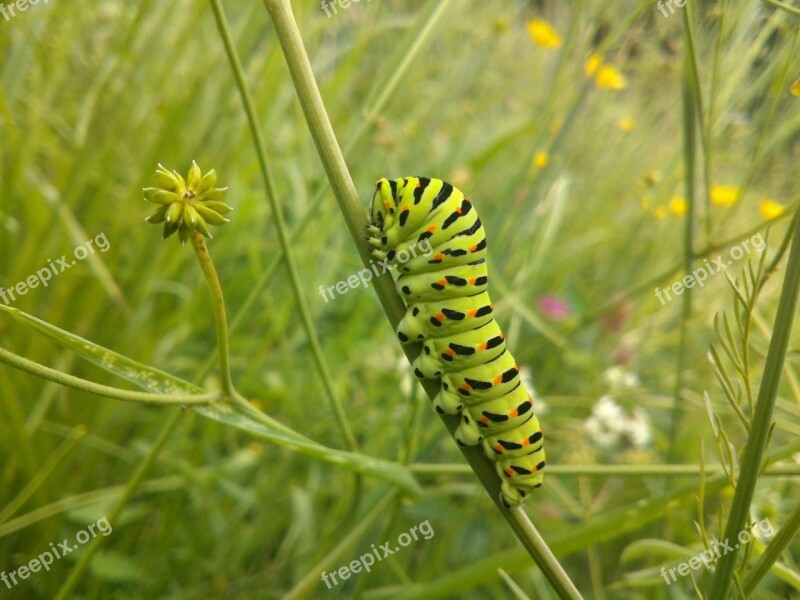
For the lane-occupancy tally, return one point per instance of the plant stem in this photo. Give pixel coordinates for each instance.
(34, 368)
(780, 5)
(283, 230)
(218, 307)
(762, 420)
(350, 205)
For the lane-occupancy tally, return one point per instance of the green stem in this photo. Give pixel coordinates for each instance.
(780, 5)
(355, 218)
(23, 364)
(218, 307)
(283, 230)
(691, 110)
(762, 420)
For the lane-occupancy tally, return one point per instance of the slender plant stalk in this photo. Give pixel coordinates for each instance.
(283, 230)
(218, 306)
(383, 90)
(34, 368)
(780, 5)
(691, 109)
(355, 218)
(762, 419)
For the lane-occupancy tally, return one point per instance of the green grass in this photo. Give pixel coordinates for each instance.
(92, 100)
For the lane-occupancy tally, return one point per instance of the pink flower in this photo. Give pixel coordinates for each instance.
(553, 307)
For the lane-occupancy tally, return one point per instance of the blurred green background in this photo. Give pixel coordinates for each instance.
(563, 123)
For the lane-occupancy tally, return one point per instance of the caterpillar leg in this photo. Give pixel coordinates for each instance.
(448, 404)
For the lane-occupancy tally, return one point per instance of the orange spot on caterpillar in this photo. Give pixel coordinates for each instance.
(439, 317)
(466, 387)
(442, 282)
(450, 352)
(472, 281)
(419, 185)
(498, 448)
(473, 248)
(502, 337)
(387, 204)
(432, 228)
(405, 208)
(458, 210)
(509, 472)
(482, 345)
(498, 379)
(513, 413)
(472, 312)
(439, 257)
(526, 442)
(485, 420)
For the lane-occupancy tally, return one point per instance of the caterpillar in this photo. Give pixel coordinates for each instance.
(449, 311)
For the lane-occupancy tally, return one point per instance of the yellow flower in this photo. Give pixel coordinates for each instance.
(186, 205)
(770, 209)
(678, 205)
(610, 77)
(795, 89)
(541, 159)
(626, 123)
(724, 195)
(592, 64)
(543, 34)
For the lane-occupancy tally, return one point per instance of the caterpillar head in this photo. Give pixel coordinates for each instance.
(384, 202)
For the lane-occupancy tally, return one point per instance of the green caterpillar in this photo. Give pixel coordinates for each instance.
(450, 312)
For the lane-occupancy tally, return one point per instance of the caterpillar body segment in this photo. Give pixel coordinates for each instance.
(447, 317)
(460, 351)
(450, 312)
(453, 282)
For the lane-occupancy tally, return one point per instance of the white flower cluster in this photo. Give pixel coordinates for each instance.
(610, 426)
